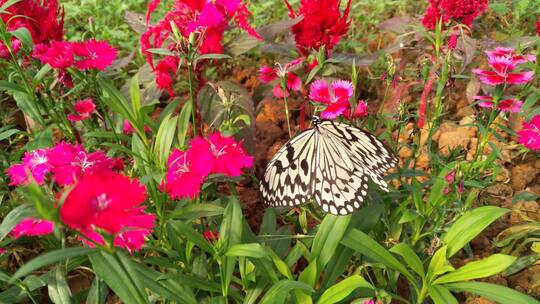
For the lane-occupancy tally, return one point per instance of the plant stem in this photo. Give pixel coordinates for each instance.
(192, 98)
(284, 89)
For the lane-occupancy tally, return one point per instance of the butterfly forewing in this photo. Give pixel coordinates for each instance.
(332, 163)
(288, 175)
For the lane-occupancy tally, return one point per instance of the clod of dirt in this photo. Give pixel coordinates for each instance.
(530, 209)
(451, 136)
(522, 175)
(527, 281)
(478, 300)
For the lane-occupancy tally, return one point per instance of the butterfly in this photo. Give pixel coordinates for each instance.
(331, 162)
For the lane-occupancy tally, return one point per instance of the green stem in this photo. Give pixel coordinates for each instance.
(192, 98)
(284, 89)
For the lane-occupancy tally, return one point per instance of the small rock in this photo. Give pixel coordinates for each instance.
(405, 152)
(522, 175)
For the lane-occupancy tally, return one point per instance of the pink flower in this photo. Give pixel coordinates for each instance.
(230, 156)
(452, 41)
(529, 136)
(83, 108)
(32, 227)
(461, 11)
(359, 112)
(294, 83)
(210, 235)
(35, 165)
(127, 127)
(323, 24)
(111, 203)
(503, 62)
(59, 55)
(70, 162)
(15, 47)
(450, 177)
(92, 54)
(336, 98)
(506, 105)
(511, 53)
(188, 170)
(538, 27)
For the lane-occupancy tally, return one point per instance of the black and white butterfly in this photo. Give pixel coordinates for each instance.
(331, 162)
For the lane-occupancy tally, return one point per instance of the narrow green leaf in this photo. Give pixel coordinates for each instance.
(165, 138)
(441, 295)
(161, 51)
(469, 225)
(438, 264)
(183, 123)
(278, 292)
(48, 258)
(253, 250)
(410, 257)
(310, 274)
(149, 279)
(497, 293)
(362, 243)
(192, 235)
(478, 269)
(212, 56)
(134, 92)
(342, 289)
(97, 293)
(229, 235)
(328, 237)
(10, 86)
(59, 291)
(23, 34)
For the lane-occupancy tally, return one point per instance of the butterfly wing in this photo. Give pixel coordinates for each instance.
(367, 151)
(288, 176)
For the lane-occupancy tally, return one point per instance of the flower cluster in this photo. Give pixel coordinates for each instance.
(83, 109)
(460, 11)
(43, 19)
(511, 105)
(91, 54)
(65, 162)
(322, 25)
(529, 135)
(208, 19)
(268, 75)
(108, 203)
(337, 99)
(503, 62)
(187, 170)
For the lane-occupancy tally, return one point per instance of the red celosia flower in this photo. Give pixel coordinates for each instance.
(452, 41)
(83, 108)
(506, 105)
(43, 19)
(503, 62)
(336, 98)
(230, 156)
(529, 136)
(461, 11)
(70, 162)
(322, 25)
(211, 236)
(208, 19)
(188, 170)
(92, 54)
(32, 227)
(110, 203)
(35, 164)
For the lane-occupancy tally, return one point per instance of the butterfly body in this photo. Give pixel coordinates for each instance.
(331, 162)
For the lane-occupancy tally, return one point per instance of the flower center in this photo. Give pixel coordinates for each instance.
(82, 161)
(101, 202)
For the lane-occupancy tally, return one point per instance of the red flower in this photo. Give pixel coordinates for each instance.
(92, 54)
(529, 136)
(111, 203)
(188, 170)
(336, 98)
(506, 105)
(32, 227)
(538, 26)
(83, 108)
(59, 55)
(503, 62)
(230, 156)
(359, 112)
(211, 236)
(461, 11)
(322, 25)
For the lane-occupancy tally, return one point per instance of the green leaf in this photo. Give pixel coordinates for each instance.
(7, 5)
(497, 293)
(499, 8)
(24, 36)
(268, 225)
(328, 237)
(441, 295)
(192, 235)
(278, 292)
(59, 292)
(14, 217)
(310, 274)
(469, 225)
(24, 102)
(253, 250)
(97, 293)
(48, 258)
(114, 272)
(45, 69)
(10, 86)
(212, 56)
(229, 235)
(195, 211)
(478, 269)
(362, 243)
(342, 289)
(410, 257)
(150, 279)
(439, 264)
(164, 139)
(134, 92)
(183, 123)
(161, 51)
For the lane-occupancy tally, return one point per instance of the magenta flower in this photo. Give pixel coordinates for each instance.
(70, 162)
(503, 63)
(268, 74)
(359, 112)
(32, 227)
(506, 105)
(111, 203)
(335, 97)
(188, 170)
(529, 136)
(509, 52)
(83, 108)
(59, 55)
(230, 156)
(92, 54)
(34, 164)
(127, 128)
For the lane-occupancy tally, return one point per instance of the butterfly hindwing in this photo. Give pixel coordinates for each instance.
(287, 177)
